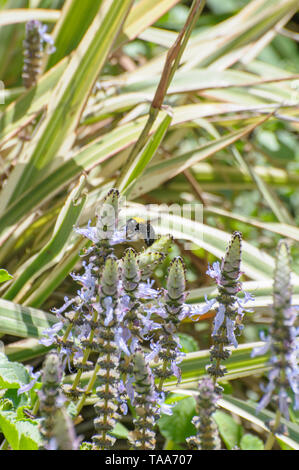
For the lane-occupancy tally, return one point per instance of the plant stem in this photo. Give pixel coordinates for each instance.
(271, 437)
(88, 389)
(86, 354)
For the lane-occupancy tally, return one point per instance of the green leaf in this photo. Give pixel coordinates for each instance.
(247, 410)
(4, 275)
(188, 343)
(17, 401)
(283, 445)
(138, 166)
(74, 20)
(143, 14)
(20, 434)
(120, 431)
(229, 430)
(8, 428)
(56, 276)
(30, 438)
(251, 442)
(12, 374)
(22, 15)
(284, 230)
(25, 349)
(99, 151)
(268, 194)
(11, 37)
(177, 427)
(24, 322)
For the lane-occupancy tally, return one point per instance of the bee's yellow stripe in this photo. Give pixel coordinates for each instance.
(139, 220)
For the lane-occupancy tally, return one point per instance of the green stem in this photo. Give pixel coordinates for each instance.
(142, 139)
(36, 407)
(271, 437)
(69, 328)
(88, 389)
(86, 354)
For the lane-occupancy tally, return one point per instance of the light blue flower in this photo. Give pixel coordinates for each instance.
(45, 37)
(51, 334)
(219, 319)
(230, 327)
(214, 271)
(34, 378)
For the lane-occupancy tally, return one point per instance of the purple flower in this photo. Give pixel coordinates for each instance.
(67, 303)
(247, 297)
(108, 302)
(156, 348)
(148, 324)
(87, 279)
(118, 236)
(240, 302)
(176, 370)
(47, 38)
(42, 28)
(34, 378)
(145, 290)
(195, 310)
(219, 319)
(51, 333)
(260, 350)
(129, 388)
(120, 338)
(290, 369)
(165, 409)
(96, 235)
(88, 232)
(214, 271)
(230, 326)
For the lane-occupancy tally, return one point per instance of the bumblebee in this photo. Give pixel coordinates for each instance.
(140, 228)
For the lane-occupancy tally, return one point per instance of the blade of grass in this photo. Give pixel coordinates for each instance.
(25, 349)
(284, 230)
(56, 276)
(74, 20)
(247, 411)
(143, 14)
(137, 167)
(23, 15)
(17, 320)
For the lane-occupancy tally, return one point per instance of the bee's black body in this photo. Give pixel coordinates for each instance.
(139, 227)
